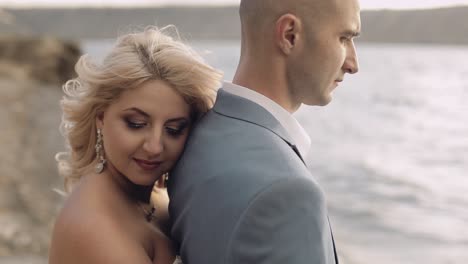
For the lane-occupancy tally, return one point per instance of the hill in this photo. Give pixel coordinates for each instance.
(444, 26)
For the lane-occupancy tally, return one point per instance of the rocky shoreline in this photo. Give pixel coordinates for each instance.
(23, 260)
(30, 138)
(43, 59)
(31, 73)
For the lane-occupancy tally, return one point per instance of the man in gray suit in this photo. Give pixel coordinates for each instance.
(241, 193)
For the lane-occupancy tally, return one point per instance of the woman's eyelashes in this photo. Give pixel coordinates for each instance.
(134, 124)
(172, 129)
(176, 130)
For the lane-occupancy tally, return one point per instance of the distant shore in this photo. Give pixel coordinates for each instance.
(435, 26)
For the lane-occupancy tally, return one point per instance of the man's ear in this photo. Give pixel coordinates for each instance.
(288, 27)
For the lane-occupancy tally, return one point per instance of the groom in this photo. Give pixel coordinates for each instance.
(241, 193)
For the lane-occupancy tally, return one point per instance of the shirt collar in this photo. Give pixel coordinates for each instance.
(287, 121)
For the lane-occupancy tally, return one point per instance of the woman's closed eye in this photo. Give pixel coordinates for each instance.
(134, 124)
(176, 130)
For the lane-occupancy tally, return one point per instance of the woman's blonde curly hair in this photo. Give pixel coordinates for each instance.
(135, 59)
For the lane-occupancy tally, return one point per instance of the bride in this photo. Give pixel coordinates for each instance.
(126, 122)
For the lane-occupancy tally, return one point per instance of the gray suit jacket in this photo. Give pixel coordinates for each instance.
(241, 193)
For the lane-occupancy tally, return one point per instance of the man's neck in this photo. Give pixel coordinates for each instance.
(271, 85)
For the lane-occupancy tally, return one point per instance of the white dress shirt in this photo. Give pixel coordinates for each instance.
(289, 123)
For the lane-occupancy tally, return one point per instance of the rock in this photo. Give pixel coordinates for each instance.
(27, 259)
(29, 137)
(32, 70)
(44, 59)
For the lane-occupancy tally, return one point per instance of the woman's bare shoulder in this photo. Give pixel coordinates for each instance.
(90, 229)
(86, 231)
(86, 238)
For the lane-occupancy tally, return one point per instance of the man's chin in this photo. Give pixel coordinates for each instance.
(326, 99)
(323, 101)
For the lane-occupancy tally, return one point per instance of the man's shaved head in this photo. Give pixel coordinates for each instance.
(260, 15)
(253, 12)
(299, 49)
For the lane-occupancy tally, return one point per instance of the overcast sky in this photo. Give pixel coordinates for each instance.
(365, 4)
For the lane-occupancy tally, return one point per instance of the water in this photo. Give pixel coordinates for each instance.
(391, 151)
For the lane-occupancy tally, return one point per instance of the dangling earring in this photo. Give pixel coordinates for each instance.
(99, 153)
(166, 179)
(162, 182)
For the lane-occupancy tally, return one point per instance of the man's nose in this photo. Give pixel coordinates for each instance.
(351, 64)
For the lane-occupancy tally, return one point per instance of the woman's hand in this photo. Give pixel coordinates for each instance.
(160, 201)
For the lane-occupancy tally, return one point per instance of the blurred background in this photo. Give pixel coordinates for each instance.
(391, 150)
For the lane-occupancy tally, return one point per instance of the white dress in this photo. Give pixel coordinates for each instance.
(178, 260)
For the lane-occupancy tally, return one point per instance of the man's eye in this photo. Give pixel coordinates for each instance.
(135, 125)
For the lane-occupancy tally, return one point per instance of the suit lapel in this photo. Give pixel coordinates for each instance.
(240, 108)
(333, 241)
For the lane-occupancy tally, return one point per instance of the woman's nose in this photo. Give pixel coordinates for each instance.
(153, 143)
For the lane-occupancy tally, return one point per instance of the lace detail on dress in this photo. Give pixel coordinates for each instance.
(178, 260)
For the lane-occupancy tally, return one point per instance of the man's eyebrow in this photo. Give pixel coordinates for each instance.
(352, 33)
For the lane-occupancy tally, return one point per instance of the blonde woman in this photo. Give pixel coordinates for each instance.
(126, 122)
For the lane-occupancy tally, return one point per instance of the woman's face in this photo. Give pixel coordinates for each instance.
(144, 131)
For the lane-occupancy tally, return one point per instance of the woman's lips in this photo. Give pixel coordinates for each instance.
(148, 165)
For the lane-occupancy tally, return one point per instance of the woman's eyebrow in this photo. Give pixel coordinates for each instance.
(177, 119)
(138, 111)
